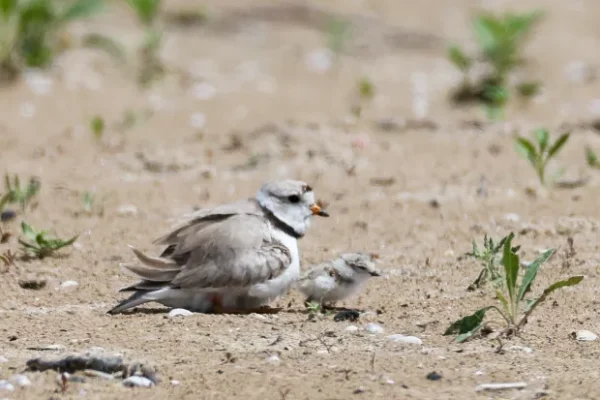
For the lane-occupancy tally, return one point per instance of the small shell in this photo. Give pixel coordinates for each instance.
(585, 336)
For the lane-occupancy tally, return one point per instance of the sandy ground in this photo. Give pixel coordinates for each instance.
(273, 117)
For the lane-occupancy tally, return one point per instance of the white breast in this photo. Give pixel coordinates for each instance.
(278, 286)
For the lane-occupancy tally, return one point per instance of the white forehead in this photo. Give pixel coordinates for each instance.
(309, 197)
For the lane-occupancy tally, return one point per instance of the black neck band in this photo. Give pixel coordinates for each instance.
(281, 225)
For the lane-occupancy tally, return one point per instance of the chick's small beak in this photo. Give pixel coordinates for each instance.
(375, 273)
(316, 210)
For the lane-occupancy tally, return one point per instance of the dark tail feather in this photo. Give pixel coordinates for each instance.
(144, 285)
(134, 300)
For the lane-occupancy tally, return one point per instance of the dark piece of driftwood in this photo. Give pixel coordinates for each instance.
(72, 364)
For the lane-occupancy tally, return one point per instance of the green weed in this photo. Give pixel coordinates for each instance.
(539, 156)
(31, 31)
(40, 244)
(151, 66)
(592, 158)
(490, 259)
(365, 91)
(338, 34)
(514, 309)
(500, 39)
(15, 193)
(97, 127)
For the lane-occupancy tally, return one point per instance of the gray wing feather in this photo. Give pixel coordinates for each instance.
(236, 252)
(318, 270)
(206, 217)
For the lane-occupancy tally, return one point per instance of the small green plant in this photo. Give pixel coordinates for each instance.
(365, 91)
(30, 31)
(89, 199)
(21, 195)
(515, 309)
(151, 66)
(8, 259)
(313, 309)
(545, 151)
(489, 258)
(500, 39)
(338, 33)
(97, 127)
(40, 244)
(592, 158)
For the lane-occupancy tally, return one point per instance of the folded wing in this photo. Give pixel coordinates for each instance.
(216, 252)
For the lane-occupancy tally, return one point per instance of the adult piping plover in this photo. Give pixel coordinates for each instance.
(338, 279)
(236, 257)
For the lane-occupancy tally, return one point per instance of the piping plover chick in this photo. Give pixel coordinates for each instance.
(336, 280)
(233, 258)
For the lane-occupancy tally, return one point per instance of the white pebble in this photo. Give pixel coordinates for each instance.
(594, 107)
(405, 339)
(524, 349)
(175, 382)
(580, 72)
(586, 336)
(512, 217)
(274, 359)
(374, 328)
(6, 385)
(68, 284)
(127, 210)
(352, 328)
(501, 386)
(56, 347)
(179, 312)
(3, 359)
(20, 380)
(204, 91)
(319, 60)
(38, 83)
(198, 120)
(479, 373)
(95, 350)
(258, 316)
(137, 381)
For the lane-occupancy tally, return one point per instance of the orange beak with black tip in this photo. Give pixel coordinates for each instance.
(317, 210)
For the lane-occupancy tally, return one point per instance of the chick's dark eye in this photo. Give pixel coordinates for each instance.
(294, 198)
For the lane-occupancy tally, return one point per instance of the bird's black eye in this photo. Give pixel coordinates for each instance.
(294, 198)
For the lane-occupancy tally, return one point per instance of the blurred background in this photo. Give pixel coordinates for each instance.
(216, 66)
